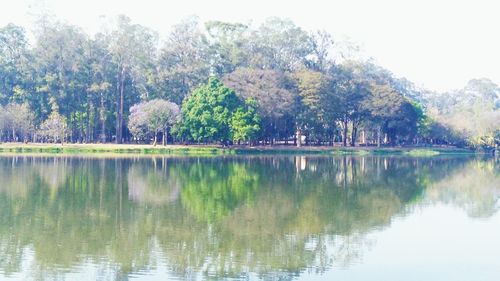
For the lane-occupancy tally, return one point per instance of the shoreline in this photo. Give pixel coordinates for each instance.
(144, 149)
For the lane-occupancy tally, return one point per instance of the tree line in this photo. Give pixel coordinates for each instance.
(216, 82)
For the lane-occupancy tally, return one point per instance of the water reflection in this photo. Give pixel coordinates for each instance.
(474, 187)
(273, 217)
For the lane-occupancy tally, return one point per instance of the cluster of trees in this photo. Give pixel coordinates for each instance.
(217, 82)
(469, 116)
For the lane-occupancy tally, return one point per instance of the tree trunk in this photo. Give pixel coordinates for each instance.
(354, 134)
(378, 136)
(89, 127)
(299, 138)
(155, 139)
(344, 132)
(103, 120)
(119, 121)
(122, 90)
(165, 137)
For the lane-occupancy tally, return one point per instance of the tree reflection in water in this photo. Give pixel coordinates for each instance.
(224, 216)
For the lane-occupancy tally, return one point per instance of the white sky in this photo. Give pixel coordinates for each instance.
(439, 44)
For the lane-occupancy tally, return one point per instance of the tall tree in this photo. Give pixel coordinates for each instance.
(311, 86)
(132, 47)
(344, 103)
(275, 98)
(60, 65)
(384, 106)
(322, 45)
(100, 85)
(280, 44)
(229, 46)
(184, 61)
(14, 64)
(3, 122)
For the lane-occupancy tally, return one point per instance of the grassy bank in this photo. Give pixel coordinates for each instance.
(408, 151)
(216, 150)
(108, 149)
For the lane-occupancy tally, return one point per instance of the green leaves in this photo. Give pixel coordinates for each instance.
(245, 122)
(213, 112)
(290, 74)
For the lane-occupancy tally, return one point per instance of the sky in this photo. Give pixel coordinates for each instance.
(438, 44)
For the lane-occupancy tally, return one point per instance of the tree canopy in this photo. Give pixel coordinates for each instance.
(153, 117)
(273, 83)
(214, 112)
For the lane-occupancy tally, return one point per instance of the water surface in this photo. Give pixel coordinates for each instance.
(241, 218)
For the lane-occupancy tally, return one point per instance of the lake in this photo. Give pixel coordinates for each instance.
(249, 218)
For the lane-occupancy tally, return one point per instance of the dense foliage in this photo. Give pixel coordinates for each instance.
(274, 83)
(213, 112)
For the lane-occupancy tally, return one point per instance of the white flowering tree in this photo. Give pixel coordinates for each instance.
(55, 128)
(149, 119)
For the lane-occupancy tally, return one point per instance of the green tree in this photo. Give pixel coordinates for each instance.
(273, 94)
(311, 86)
(132, 47)
(229, 46)
(291, 74)
(184, 61)
(3, 123)
(60, 69)
(322, 46)
(281, 45)
(391, 113)
(101, 96)
(208, 111)
(245, 122)
(344, 105)
(14, 64)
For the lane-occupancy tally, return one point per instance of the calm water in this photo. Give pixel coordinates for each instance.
(270, 218)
